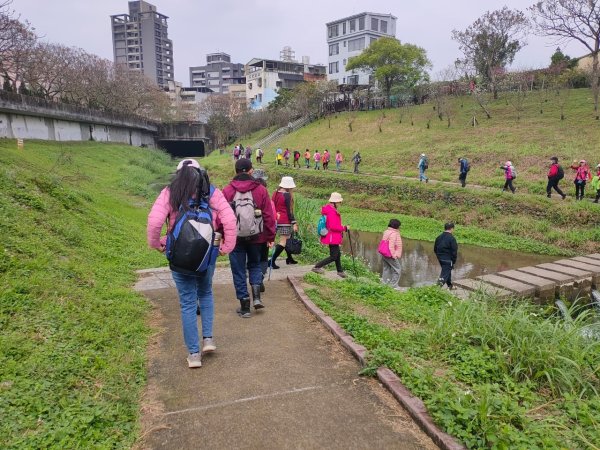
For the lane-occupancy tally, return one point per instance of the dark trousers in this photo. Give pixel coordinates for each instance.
(245, 259)
(297, 163)
(446, 273)
(508, 185)
(462, 177)
(356, 167)
(264, 258)
(579, 189)
(335, 256)
(597, 196)
(553, 184)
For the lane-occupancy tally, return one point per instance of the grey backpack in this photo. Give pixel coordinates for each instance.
(249, 219)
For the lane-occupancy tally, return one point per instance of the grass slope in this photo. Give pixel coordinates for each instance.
(73, 341)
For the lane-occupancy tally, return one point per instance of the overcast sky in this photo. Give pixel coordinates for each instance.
(260, 28)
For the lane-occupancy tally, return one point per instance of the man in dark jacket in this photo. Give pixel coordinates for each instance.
(555, 174)
(463, 171)
(246, 254)
(446, 250)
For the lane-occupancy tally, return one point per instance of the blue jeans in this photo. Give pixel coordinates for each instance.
(338, 165)
(245, 254)
(422, 174)
(193, 289)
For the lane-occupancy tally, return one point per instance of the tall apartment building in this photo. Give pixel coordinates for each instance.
(218, 74)
(348, 37)
(141, 42)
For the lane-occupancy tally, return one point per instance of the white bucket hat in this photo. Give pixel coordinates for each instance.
(189, 162)
(287, 183)
(336, 197)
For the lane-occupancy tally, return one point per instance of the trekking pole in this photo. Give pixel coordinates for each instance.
(271, 261)
(352, 253)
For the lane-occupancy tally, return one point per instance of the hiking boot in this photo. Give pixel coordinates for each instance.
(441, 282)
(549, 196)
(256, 297)
(342, 275)
(290, 260)
(244, 309)
(208, 345)
(564, 196)
(426, 180)
(317, 270)
(274, 266)
(194, 360)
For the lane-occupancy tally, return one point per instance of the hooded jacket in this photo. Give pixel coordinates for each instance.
(161, 212)
(392, 235)
(446, 248)
(244, 183)
(335, 229)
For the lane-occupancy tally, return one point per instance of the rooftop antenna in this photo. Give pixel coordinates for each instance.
(287, 54)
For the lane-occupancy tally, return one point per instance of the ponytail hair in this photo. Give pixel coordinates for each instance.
(189, 183)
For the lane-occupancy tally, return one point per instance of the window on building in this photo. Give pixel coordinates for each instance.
(250, 86)
(334, 49)
(344, 62)
(344, 28)
(259, 98)
(383, 26)
(344, 43)
(374, 24)
(352, 25)
(361, 23)
(372, 40)
(334, 67)
(334, 30)
(357, 44)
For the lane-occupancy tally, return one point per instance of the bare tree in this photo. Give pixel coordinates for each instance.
(492, 42)
(577, 20)
(16, 41)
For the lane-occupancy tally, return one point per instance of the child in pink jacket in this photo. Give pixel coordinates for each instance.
(334, 236)
(391, 264)
(195, 290)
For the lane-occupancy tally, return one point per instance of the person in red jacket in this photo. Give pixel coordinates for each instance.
(555, 174)
(246, 254)
(334, 236)
(286, 222)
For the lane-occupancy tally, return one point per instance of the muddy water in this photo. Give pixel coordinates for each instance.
(420, 266)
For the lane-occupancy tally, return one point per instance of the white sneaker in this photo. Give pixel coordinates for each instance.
(208, 345)
(194, 360)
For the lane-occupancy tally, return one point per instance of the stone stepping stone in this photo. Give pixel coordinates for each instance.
(575, 273)
(593, 269)
(544, 289)
(566, 285)
(519, 288)
(586, 260)
(594, 256)
(480, 286)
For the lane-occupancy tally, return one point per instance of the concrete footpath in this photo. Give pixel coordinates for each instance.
(277, 380)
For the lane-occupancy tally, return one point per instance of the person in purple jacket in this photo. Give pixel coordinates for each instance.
(334, 236)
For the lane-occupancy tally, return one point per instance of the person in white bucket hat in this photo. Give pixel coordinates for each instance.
(283, 199)
(333, 235)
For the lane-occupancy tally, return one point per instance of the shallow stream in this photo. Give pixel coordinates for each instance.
(420, 266)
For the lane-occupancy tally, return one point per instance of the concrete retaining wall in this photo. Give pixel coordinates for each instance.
(23, 117)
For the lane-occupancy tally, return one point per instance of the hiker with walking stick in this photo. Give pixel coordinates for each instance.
(331, 230)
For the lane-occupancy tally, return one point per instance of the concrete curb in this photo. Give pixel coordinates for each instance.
(413, 405)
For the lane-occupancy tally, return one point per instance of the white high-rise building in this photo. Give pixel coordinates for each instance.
(348, 37)
(141, 42)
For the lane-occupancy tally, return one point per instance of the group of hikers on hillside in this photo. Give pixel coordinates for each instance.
(583, 175)
(315, 160)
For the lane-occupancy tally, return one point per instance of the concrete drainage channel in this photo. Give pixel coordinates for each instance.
(413, 405)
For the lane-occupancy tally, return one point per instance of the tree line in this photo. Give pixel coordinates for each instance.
(57, 72)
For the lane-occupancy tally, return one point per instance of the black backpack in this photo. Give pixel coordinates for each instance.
(190, 242)
(560, 174)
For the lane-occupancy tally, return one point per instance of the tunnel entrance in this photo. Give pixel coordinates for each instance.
(183, 148)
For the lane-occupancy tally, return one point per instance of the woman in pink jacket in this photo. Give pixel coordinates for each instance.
(391, 264)
(193, 289)
(334, 236)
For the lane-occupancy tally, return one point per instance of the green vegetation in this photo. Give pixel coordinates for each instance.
(546, 226)
(492, 374)
(74, 334)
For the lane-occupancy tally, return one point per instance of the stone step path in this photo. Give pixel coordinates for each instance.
(570, 278)
(277, 380)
